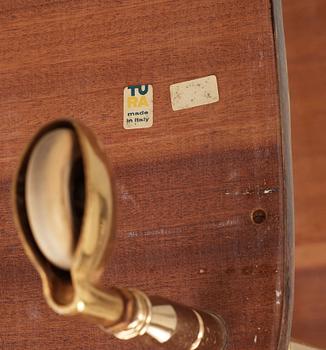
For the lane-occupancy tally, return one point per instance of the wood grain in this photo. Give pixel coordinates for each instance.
(186, 188)
(305, 27)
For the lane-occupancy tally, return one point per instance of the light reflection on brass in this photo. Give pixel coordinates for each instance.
(297, 346)
(201, 332)
(65, 180)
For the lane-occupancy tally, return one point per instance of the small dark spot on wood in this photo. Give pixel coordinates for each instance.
(259, 216)
(248, 270)
(230, 270)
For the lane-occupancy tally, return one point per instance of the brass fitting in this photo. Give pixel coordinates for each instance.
(296, 346)
(64, 188)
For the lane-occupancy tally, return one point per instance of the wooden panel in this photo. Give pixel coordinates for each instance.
(186, 188)
(305, 27)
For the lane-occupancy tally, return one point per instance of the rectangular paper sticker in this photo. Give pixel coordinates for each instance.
(138, 107)
(193, 93)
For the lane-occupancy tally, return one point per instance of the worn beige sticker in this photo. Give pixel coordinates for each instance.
(193, 93)
(138, 106)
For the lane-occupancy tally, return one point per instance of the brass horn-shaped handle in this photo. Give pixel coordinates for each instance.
(64, 210)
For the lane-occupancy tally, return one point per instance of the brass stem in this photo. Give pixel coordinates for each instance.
(296, 346)
(169, 325)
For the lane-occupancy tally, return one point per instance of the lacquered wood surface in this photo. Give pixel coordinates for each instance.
(186, 188)
(305, 29)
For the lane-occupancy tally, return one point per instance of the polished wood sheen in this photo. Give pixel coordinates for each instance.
(203, 196)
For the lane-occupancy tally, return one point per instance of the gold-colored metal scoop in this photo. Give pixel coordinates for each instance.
(64, 210)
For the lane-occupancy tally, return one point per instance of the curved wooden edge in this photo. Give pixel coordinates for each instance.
(283, 86)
